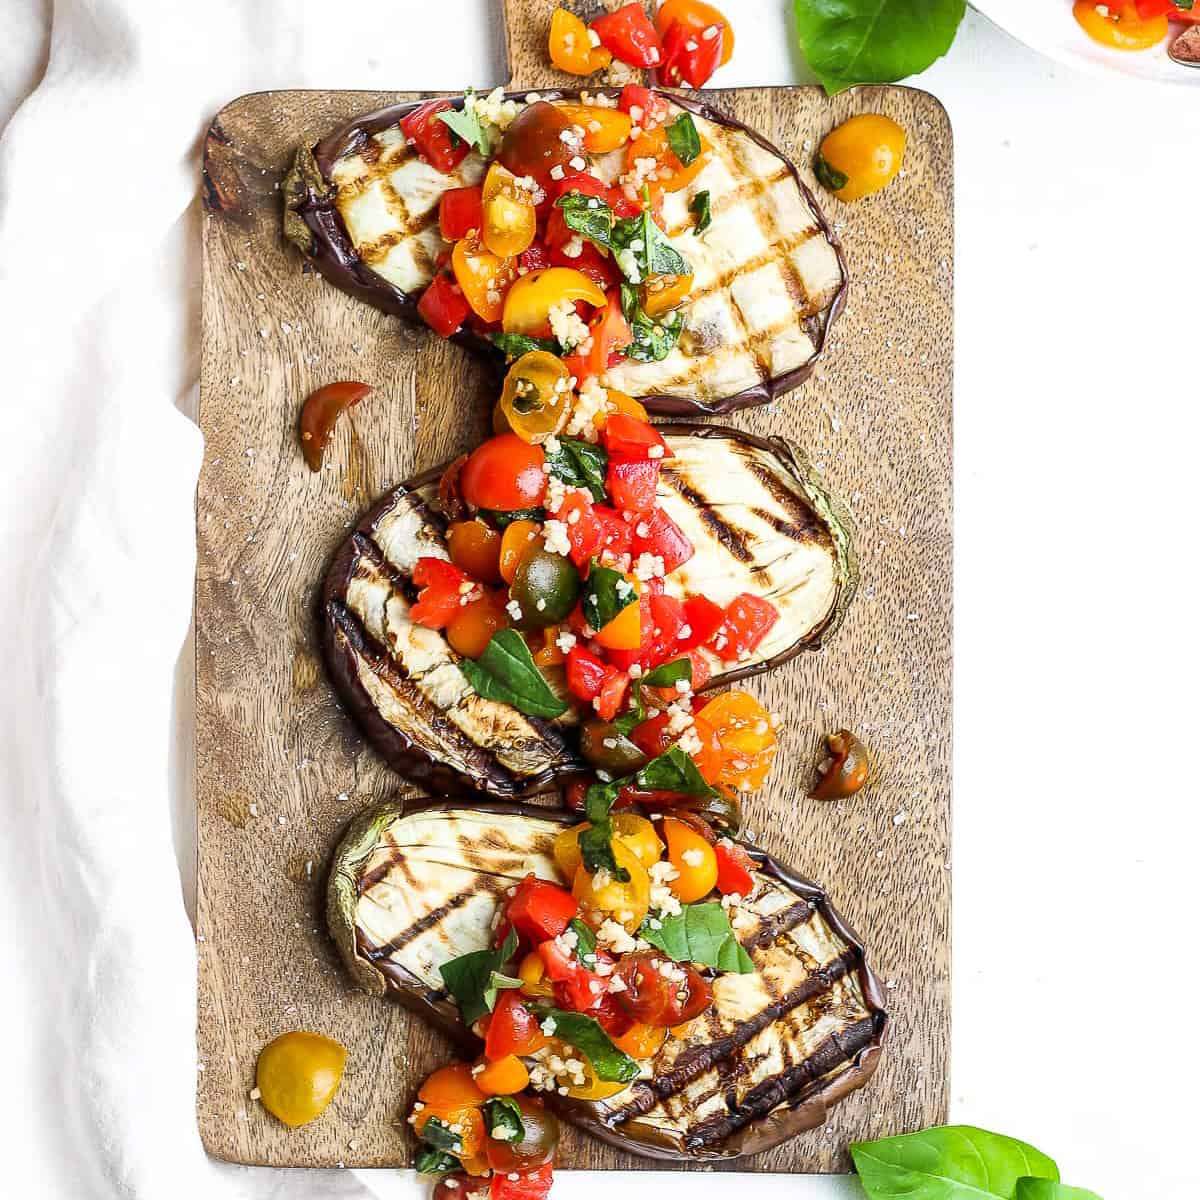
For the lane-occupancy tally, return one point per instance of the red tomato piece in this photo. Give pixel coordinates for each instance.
(611, 697)
(651, 736)
(504, 474)
(651, 108)
(573, 982)
(700, 670)
(627, 437)
(611, 1017)
(662, 537)
(747, 619)
(734, 869)
(1147, 9)
(602, 271)
(586, 674)
(630, 36)
(653, 998)
(610, 335)
(536, 258)
(460, 211)
(704, 619)
(667, 618)
(689, 58)
(583, 182)
(583, 529)
(540, 910)
(654, 799)
(513, 1029)
(442, 594)
(616, 534)
(532, 1185)
(443, 307)
(430, 137)
(632, 485)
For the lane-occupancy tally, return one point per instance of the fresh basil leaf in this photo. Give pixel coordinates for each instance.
(595, 847)
(653, 339)
(497, 983)
(586, 1035)
(684, 139)
(701, 209)
(502, 520)
(440, 1136)
(470, 979)
(633, 716)
(506, 671)
(465, 122)
(674, 771)
(1029, 1188)
(668, 674)
(599, 799)
(828, 176)
(435, 1162)
(585, 941)
(950, 1162)
(606, 594)
(513, 345)
(642, 248)
(699, 933)
(588, 216)
(1186, 5)
(579, 464)
(874, 41)
(504, 1121)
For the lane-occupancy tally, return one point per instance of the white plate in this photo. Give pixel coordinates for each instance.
(1049, 27)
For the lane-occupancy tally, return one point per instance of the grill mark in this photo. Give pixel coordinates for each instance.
(776, 251)
(840, 1047)
(371, 551)
(780, 923)
(728, 535)
(789, 529)
(748, 189)
(693, 1062)
(798, 508)
(423, 925)
(379, 873)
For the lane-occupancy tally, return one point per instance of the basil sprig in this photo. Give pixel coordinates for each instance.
(701, 209)
(513, 345)
(503, 1114)
(653, 254)
(440, 1136)
(506, 671)
(653, 339)
(588, 1037)
(431, 1161)
(674, 771)
(684, 139)
(606, 595)
(475, 980)
(701, 934)
(585, 941)
(579, 464)
(466, 124)
(587, 216)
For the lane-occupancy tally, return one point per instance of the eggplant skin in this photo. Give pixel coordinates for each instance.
(425, 878)
(313, 223)
(756, 511)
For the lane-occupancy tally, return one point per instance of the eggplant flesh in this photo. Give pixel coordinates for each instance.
(760, 521)
(410, 889)
(768, 274)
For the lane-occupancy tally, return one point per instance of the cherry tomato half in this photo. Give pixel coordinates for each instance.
(504, 474)
(660, 992)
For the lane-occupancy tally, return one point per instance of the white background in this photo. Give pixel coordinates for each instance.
(1075, 975)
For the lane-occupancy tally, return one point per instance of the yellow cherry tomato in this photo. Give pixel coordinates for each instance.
(624, 631)
(624, 901)
(532, 973)
(860, 156)
(515, 541)
(298, 1074)
(475, 623)
(693, 858)
(742, 746)
(485, 278)
(537, 396)
(505, 1077)
(1119, 25)
(631, 830)
(509, 217)
(475, 547)
(662, 293)
(529, 301)
(451, 1087)
(594, 1088)
(641, 1041)
(604, 129)
(571, 48)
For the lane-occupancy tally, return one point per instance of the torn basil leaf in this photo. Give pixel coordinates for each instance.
(587, 1036)
(506, 671)
(587, 216)
(701, 209)
(502, 520)
(701, 934)
(585, 941)
(440, 1136)
(502, 1115)
(595, 847)
(430, 1161)
(513, 345)
(465, 122)
(653, 339)
(579, 464)
(684, 139)
(674, 771)
(606, 594)
(470, 979)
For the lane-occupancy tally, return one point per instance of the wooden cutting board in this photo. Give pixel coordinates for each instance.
(280, 768)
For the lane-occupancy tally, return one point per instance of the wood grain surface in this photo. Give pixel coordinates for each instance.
(280, 769)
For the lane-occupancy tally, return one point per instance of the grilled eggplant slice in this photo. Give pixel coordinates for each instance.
(411, 889)
(769, 277)
(759, 517)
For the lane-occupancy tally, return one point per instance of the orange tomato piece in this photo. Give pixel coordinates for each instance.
(604, 129)
(742, 742)
(471, 630)
(693, 858)
(484, 277)
(665, 292)
(619, 402)
(532, 973)
(527, 306)
(624, 631)
(641, 1041)
(1119, 26)
(672, 174)
(696, 16)
(514, 543)
(451, 1087)
(571, 48)
(549, 655)
(505, 1077)
(509, 217)
(475, 547)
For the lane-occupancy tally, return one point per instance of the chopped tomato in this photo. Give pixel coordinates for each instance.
(658, 534)
(671, 175)
(627, 437)
(630, 36)
(651, 736)
(540, 910)
(704, 618)
(654, 799)
(734, 869)
(513, 1029)
(690, 56)
(583, 529)
(696, 16)
(644, 105)
(461, 210)
(444, 591)
(536, 258)
(667, 619)
(632, 485)
(747, 620)
(431, 138)
(611, 696)
(533, 143)
(586, 674)
(1155, 8)
(504, 474)
(616, 534)
(442, 306)
(571, 48)
(652, 998)
(602, 271)
(610, 335)
(611, 1017)
(573, 982)
(532, 1185)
